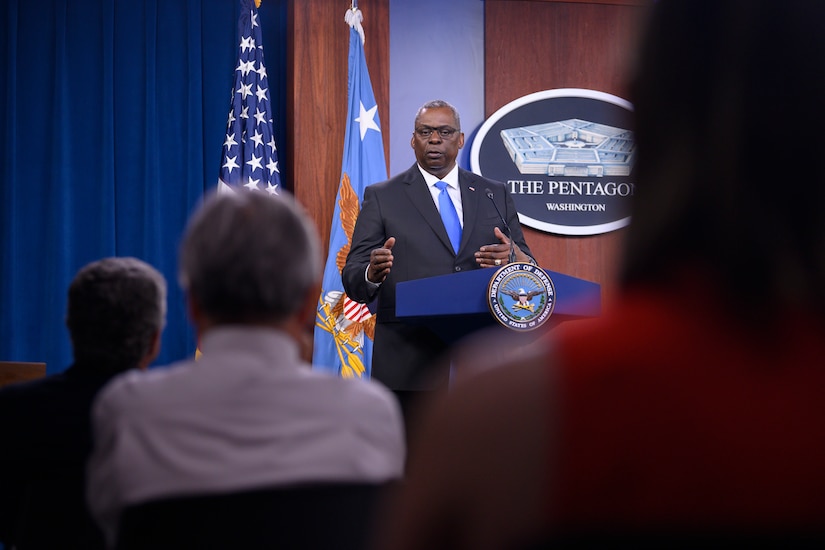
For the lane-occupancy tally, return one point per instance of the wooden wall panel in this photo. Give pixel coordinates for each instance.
(317, 95)
(532, 46)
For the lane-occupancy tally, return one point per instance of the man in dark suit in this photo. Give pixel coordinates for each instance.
(115, 314)
(400, 235)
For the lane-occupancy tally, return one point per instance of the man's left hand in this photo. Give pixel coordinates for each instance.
(495, 255)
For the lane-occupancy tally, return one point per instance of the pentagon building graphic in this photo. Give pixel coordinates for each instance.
(571, 147)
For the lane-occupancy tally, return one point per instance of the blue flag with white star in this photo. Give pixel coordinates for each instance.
(344, 329)
(249, 157)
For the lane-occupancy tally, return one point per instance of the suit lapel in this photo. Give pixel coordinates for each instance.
(422, 200)
(470, 195)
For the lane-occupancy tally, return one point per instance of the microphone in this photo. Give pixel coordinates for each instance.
(504, 222)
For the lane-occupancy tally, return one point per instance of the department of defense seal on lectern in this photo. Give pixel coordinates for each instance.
(521, 296)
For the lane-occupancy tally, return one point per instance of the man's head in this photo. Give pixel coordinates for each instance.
(249, 258)
(115, 314)
(715, 142)
(437, 137)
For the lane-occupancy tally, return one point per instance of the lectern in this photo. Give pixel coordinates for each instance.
(456, 305)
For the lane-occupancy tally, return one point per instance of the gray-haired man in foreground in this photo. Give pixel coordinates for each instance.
(250, 413)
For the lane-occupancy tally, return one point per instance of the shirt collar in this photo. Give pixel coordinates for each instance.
(451, 178)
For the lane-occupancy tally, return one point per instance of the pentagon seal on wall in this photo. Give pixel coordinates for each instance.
(566, 156)
(521, 296)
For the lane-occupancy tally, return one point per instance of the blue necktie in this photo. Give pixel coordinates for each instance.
(449, 215)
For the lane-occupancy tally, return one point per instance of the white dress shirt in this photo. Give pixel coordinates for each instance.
(247, 414)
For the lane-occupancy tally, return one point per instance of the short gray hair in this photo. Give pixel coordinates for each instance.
(115, 307)
(249, 257)
(438, 104)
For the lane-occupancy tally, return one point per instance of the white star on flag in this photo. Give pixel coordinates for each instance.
(230, 164)
(367, 120)
(258, 138)
(245, 67)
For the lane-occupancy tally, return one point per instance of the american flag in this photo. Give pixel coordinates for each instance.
(249, 156)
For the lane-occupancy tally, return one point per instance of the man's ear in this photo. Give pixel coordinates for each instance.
(197, 317)
(310, 305)
(154, 350)
(193, 309)
(200, 320)
(302, 326)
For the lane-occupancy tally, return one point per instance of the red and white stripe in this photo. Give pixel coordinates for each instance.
(355, 312)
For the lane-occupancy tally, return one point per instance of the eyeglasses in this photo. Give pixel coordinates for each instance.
(445, 132)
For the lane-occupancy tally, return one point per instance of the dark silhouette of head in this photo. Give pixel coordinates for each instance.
(729, 119)
(116, 311)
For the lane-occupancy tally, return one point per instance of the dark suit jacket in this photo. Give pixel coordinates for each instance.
(45, 439)
(402, 207)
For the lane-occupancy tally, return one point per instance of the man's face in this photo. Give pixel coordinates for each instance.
(436, 153)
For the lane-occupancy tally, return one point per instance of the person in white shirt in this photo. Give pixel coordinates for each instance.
(250, 412)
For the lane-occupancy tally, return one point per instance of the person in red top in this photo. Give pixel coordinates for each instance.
(693, 408)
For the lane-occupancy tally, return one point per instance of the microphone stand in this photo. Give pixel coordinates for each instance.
(512, 257)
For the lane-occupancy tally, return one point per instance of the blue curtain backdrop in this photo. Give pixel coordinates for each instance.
(112, 118)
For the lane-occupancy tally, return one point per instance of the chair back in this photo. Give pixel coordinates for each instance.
(53, 514)
(680, 539)
(310, 516)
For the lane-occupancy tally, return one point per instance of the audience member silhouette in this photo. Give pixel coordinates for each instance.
(115, 315)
